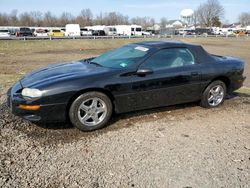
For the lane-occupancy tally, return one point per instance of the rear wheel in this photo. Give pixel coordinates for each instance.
(90, 111)
(214, 94)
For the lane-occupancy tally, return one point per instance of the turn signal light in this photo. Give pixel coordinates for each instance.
(29, 107)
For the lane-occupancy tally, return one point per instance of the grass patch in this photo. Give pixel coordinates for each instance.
(243, 92)
(9, 79)
(19, 57)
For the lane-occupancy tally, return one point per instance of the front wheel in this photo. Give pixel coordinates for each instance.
(90, 111)
(214, 94)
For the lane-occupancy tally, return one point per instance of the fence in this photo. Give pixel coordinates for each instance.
(120, 37)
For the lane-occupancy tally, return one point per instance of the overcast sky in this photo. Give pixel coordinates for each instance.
(153, 8)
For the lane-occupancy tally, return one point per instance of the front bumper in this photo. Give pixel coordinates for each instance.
(46, 113)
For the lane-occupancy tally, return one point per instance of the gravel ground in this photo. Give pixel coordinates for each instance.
(180, 146)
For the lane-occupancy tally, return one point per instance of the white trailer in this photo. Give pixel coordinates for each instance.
(124, 30)
(72, 30)
(136, 30)
(248, 29)
(95, 27)
(110, 30)
(129, 30)
(225, 31)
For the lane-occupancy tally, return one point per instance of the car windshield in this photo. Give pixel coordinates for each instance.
(122, 57)
(4, 31)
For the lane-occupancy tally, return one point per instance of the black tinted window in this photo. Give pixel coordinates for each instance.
(169, 58)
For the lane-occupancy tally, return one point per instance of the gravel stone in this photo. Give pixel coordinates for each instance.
(179, 146)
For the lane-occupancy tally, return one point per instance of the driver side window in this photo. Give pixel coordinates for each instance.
(169, 58)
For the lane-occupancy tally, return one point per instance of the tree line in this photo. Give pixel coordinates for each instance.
(211, 13)
(208, 14)
(84, 18)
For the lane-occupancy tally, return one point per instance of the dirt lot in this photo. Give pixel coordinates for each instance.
(178, 146)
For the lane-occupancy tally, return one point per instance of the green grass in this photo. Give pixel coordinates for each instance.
(20, 47)
(9, 79)
(20, 57)
(243, 92)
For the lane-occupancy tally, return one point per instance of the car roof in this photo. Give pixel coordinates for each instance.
(164, 44)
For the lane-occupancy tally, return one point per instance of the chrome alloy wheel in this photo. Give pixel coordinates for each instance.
(92, 111)
(215, 95)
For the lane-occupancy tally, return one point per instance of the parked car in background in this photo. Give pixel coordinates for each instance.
(240, 32)
(40, 33)
(85, 32)
(13, 31)
(72, 30)
(203, 31)
(56, 33)
(24, 32)
(4, 33)
(98, 33)
(133, 77)
(146, 33)
(191, 32)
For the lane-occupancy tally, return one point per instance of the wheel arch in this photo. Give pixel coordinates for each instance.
(224, 79)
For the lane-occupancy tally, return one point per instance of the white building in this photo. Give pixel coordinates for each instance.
(175, 24)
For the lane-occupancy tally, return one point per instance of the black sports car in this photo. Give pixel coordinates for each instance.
(133, 77)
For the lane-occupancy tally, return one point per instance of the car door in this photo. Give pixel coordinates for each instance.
(169, 76)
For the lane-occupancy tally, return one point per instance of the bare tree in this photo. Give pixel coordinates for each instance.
(66, 18)
(114, 18)
(99, 19)
(85, 18)
(26, 19)
(111, 18)
(209, 11)
(143, 21)
(163, 22)
(4, 19)
(13, 19)
(49, 19)
(244, 18)
(37, 18)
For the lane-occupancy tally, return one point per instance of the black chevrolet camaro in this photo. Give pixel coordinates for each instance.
(134, 77)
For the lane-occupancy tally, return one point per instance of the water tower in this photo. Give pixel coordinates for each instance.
(187, 16)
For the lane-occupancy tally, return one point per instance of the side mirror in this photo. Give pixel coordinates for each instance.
(144, 72)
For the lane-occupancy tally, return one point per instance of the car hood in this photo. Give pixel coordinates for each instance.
(63, 71)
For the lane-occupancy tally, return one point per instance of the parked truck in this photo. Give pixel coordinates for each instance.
(72, 30)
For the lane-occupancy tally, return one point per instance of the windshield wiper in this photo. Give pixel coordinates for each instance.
(94, 63)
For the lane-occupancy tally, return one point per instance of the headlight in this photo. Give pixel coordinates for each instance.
(32, 93)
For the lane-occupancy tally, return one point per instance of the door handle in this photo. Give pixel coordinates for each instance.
(194, 73)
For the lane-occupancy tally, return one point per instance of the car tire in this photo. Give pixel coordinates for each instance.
(90, 111)
(214, 95)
